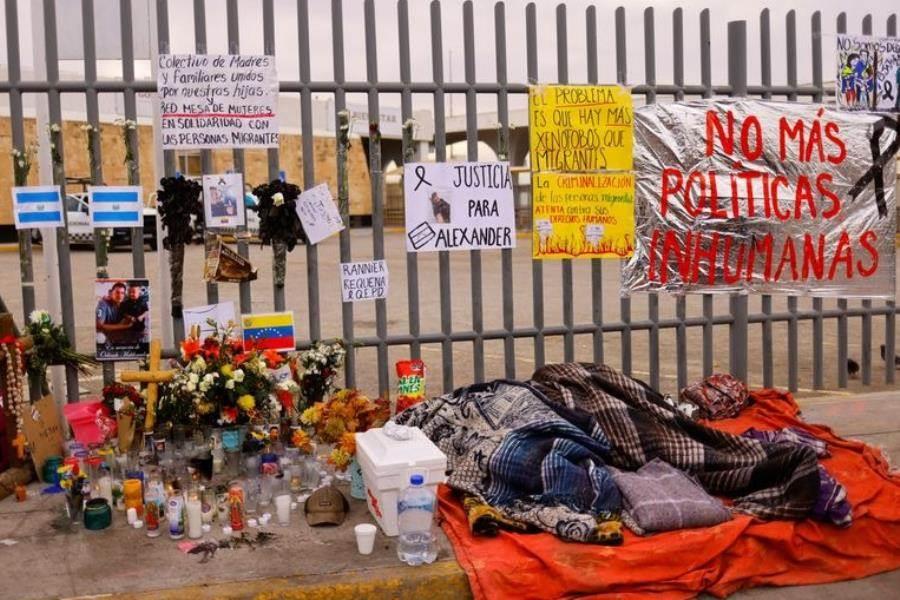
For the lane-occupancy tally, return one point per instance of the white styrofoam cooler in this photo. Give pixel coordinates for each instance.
(387, 465)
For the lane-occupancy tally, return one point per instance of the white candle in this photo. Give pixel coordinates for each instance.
(105, 485)
(131, 515)
(194, 519)
(283, 508)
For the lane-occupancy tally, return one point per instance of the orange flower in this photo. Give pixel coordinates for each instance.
(348, 443)
(189, 348)
(273, 358)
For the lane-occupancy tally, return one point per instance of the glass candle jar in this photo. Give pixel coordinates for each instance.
(134, 495)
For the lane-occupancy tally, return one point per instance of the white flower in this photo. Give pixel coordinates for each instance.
(239, 375)
(198, 365)
(204, 386)
(54, 128)
(278, 199)
(37, 316)
(209, 378)
(21, 164)
(191, 387)
(194, 378)
(229, 384)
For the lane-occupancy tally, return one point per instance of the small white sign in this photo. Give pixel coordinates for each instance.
(220, 313)
(116, 206)
(318, 213)
(223, 200)
(39, 206)
(362, 281)
(217, 101)
(458, 206)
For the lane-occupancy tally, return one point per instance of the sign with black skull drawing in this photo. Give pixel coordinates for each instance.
(459, 206)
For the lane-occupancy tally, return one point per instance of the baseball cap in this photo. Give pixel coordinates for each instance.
(326, 506)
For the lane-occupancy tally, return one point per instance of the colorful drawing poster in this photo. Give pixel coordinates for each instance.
(581, 140)
(116, 206)
(583, 214)
(37, 206)
(887, 77)
(855, 79)
(122, 323)
(223, 200)
(269, 331)
(458, 206)
(217, 101)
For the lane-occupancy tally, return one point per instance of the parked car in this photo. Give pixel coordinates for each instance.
(81, 233)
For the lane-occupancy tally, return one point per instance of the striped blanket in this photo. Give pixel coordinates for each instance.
(772, 481)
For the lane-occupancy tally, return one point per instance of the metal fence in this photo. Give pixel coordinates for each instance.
(633, 320)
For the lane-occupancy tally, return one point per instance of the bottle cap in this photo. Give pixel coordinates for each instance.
(416, 479)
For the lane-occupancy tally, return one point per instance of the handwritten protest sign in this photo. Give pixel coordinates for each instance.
(757, 196)
(364, 280)
(458, 206)
(217, 101)
(319, 213)
(582, 189)
(868, 73)
(41, 427)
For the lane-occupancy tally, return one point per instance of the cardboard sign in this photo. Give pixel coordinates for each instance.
(364, 280)
(223, 200)
(269, 331)
(319, 214)
(116, 206)
(42, 428)
(220, 314)
(581, 140)
(742, 195)
(458, 206)
(217, 101)
(37, 206)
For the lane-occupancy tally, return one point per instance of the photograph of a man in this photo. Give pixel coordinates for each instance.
(222, 194)
(440, 209)
(123, 318)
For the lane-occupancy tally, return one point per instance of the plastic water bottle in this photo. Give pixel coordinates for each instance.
(415, 517)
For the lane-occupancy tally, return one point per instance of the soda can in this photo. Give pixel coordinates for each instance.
(175, 516)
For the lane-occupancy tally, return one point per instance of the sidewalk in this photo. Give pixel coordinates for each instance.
(317, 563)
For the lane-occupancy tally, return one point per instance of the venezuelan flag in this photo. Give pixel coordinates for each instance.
(269, 331)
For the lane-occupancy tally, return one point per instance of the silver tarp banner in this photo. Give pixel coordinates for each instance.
(764, 197)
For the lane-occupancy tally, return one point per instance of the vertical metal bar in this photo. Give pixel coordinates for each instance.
(706, 81)
(132, 137)
(406, 113)
(100, 235)
(791, 40)
(680, 301)
(890, 318)
(272, 155)
(537, 266)
(440, 155)
(234, 47)
(340, 105)
(818, 345)
(650, 54)
(892, 26)
(376, 178)
(793, 344)
(62, 239)
(737, 79)
(562, 70)
(866, 349)
(867, 25)
(472, 155)
(678, 51)
(652, 299)
(765, 63)
(768, 365)
(842, 22)
(206, 164)
(309, 174)
(622, 78)
(506, 255)
(816, 29)
(842, 343)
(17, 130)
(596, 263)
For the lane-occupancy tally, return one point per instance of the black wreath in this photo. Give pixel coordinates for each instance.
(279, 223)
(177, 202)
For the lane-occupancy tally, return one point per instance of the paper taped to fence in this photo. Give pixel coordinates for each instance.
(319, 214)
(458, 206)
(116, 206)
(868, 73)
(37, 206)
(364, 280)
(217, 101)
(581, 141)
(767, 197)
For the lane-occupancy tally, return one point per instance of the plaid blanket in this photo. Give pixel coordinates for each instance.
(766, 480)
(534, 461)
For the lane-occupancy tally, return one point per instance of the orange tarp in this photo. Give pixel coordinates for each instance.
(741, 553)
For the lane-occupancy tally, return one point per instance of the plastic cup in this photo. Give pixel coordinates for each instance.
(283, 508)
(365, 537)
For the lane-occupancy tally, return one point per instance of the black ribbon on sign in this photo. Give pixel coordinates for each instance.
(888, 90)
(875, 174)
(420, 173)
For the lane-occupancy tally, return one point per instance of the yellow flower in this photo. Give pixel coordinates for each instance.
(246, 402)
(300, 439)
(311, 415)
(339, 458)
(226, 370)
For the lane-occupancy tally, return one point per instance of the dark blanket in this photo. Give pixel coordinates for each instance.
(766, 480)
(535, 461)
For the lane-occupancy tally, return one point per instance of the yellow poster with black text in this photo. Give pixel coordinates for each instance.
(581, 139)
(583, 215)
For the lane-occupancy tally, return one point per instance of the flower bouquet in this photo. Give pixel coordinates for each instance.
(316, 370)
(51, 347)
(338, 419)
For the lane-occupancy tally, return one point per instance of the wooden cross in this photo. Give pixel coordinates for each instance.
(20, 444)
(153, 376)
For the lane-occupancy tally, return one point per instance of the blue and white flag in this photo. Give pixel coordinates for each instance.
(116, 206)
(37, 206)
